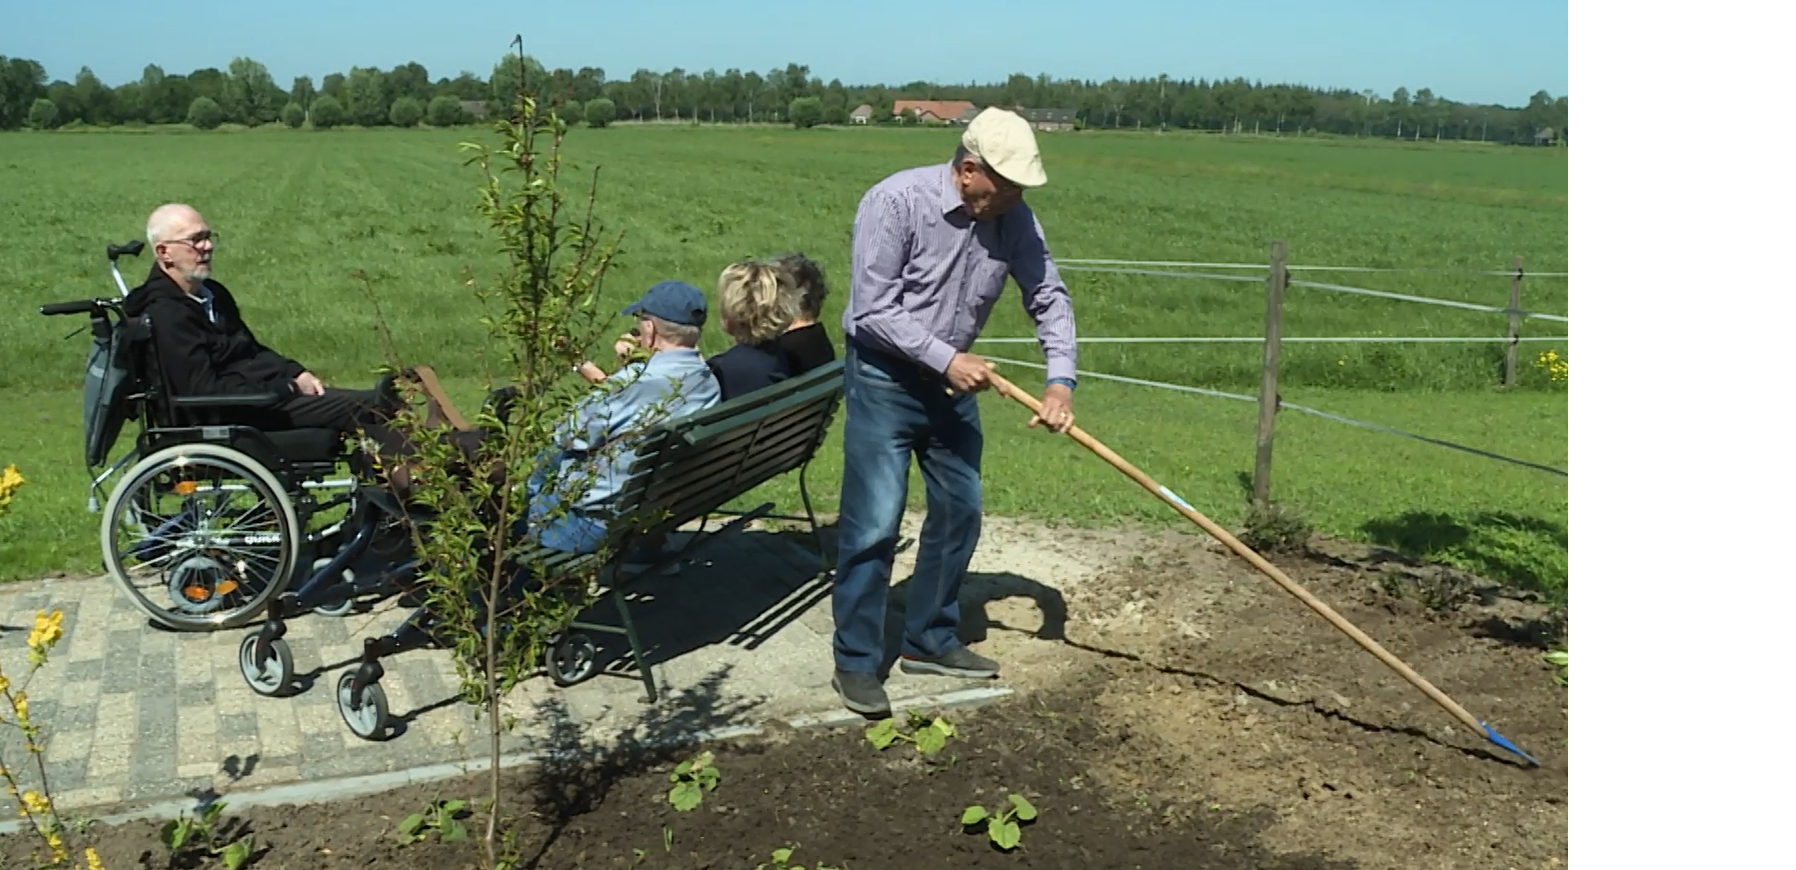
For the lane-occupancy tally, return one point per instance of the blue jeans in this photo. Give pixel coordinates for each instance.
(896, 410)
(573, 531)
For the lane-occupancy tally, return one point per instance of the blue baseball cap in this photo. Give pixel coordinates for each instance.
(672, 301)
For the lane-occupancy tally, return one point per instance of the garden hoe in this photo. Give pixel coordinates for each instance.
(1010, 390)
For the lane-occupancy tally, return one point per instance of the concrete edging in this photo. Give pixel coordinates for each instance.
(375, 783)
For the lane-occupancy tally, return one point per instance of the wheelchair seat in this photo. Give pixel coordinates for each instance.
(305, 445)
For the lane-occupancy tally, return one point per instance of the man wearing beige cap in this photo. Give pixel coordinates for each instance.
(933, 247)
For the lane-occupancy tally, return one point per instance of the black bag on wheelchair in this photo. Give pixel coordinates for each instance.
(103, 412)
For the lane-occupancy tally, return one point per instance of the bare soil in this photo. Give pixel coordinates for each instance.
(1179, 710)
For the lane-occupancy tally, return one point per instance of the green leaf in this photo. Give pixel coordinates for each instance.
(454, 806)
(454, 832)
(1557, 657)
(685, 796)
(411, 824)
(1006, 834)
(211, 814)
(973, 815)
(782, 855)
(942, 725)
(1024, 809)
(929, 741)
(883, 734)
(235, 854)
(181, 832)
(683, 768)
(172, 835)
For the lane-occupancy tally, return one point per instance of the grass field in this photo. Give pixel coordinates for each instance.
(297, 213)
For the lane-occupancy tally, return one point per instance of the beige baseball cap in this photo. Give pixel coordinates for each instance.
(1004, 141)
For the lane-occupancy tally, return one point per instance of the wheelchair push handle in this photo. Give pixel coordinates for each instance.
(78, 306)
(129, 249)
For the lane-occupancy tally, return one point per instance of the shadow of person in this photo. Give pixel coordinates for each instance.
(977, 593)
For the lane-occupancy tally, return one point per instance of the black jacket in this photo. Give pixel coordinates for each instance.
(202, 358)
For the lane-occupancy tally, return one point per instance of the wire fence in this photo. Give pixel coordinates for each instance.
(1316, 285)
(1256, 339)
(1504, 273)
(1284, 405)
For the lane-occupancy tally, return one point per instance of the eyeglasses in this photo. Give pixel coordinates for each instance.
(196, 239)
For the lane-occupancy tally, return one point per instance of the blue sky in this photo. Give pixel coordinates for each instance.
(1468, 51)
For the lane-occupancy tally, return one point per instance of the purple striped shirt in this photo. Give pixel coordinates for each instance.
(926, 275)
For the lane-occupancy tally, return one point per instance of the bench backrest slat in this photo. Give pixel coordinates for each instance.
(696, 463)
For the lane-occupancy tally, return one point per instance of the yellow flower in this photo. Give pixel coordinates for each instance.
(93, 860)
(47, 631)
(36, 803)
(4, 683)
(10, 481)
(20, 707)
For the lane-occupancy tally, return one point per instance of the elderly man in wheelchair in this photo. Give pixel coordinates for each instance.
(216, 516)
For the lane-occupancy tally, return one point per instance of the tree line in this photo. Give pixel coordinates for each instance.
(245, 93)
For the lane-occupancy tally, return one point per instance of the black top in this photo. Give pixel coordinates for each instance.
(204, 356)
(748, 367)
(806, 348)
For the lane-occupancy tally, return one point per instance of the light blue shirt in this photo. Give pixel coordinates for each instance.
(639, 397)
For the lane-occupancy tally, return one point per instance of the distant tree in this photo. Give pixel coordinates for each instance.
(504, 83)
(366, 97)
(326, 112)
(406, 112)
(806, 112)
(205, 113)
(601, 112)
(42, 113)
(444, 111)
(21, 85)
(250, 95)
(571, 111)
(303, 92)
(334, 87)
(293, 115)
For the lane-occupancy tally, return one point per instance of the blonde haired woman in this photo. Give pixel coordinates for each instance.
(755, 304)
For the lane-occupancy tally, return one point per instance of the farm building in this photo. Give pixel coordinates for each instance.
(861, 114)
(939, 111)
(1050, 119)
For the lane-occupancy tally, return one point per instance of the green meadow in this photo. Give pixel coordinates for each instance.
(299, 213)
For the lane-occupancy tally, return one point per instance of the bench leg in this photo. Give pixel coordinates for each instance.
(642, 661)
(804, 495)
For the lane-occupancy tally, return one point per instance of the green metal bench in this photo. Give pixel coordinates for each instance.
(690, 468)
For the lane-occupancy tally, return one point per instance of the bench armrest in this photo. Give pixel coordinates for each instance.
(241, 400)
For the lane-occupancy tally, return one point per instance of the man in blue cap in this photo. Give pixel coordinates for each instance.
(583, 467)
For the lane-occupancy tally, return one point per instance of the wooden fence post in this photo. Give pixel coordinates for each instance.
(1515, 322)
(1275, 303)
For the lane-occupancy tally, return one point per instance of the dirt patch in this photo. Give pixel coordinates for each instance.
(1267, 707)
(1178, 709)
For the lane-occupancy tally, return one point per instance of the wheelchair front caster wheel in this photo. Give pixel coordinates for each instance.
(271, 674)
(366, 716)
(571, 659)
(340, 608)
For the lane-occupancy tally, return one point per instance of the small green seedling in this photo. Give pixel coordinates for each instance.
(1002, 827)
(443, 816)
(782, 860)
(929, 735)
(178, 833)
(691, 779)
(1557, 658)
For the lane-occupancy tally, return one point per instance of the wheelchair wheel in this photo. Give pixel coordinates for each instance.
(271, 677)
(572, 658)
(200, 536)
(366, 717)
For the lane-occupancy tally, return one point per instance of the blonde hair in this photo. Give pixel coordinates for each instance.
(755, 302)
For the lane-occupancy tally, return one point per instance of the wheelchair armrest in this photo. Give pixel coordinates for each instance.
(240, 400)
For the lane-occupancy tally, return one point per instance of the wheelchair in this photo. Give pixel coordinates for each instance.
(212, 524)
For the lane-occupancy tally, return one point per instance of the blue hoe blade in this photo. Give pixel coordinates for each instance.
(1502, 741)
